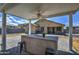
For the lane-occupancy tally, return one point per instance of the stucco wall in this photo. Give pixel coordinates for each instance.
(33, 28)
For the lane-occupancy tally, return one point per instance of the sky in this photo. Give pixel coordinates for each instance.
(64, 19)
(13, 20)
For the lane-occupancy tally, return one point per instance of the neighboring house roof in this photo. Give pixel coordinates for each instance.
(35, 24)
(48, 21)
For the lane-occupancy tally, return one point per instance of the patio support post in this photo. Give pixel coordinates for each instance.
(3, 30)
(70, 31)
(29, 26)
(55, 30)
(62, 30)
(45, 29)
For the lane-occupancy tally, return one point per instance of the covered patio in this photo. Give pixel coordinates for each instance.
(34, 11)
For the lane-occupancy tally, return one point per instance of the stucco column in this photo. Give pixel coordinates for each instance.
(55, 30)
(45, 29)
(70, 30)
(62, 30)
(3, 31)
(29, 26)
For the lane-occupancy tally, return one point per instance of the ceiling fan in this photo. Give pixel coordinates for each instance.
(39, 11)
(39, 14)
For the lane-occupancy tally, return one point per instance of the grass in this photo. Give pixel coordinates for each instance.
(76, 45)
(75, 42)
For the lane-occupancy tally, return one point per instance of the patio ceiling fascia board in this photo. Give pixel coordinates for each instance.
(22, 17)
(16, 16)
(62, 14)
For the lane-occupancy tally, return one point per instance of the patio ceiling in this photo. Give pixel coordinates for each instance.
(30, 10)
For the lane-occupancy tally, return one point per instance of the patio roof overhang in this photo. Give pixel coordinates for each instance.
(29, 10)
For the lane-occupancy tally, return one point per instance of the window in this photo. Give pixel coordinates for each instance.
(42, 29)
(59, 28)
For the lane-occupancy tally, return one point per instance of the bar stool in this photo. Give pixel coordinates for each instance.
(50, 51)
(22, 47)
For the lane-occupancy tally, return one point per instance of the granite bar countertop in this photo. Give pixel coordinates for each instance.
(52, 38)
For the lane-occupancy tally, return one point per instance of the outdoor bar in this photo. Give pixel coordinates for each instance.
(37, 44)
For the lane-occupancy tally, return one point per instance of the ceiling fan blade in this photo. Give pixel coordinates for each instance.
(36, 8)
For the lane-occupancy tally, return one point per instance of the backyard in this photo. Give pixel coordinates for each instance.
(13, 39)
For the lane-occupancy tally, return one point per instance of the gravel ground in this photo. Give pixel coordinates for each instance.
(12, 40)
